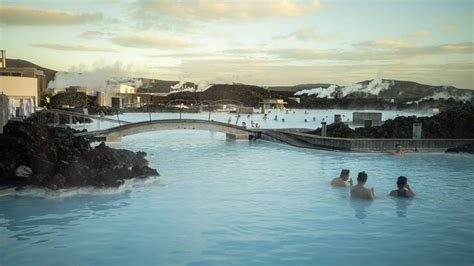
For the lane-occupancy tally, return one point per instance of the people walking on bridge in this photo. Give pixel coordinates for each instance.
(276, 118)
(252, 124)
(229, 120)
(244, 125)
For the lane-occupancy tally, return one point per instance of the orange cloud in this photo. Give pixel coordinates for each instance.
(152, 41)
(22, 16)
(243, 10)
(307, 34)
(392, 43)
(76, 48)
(422, 33)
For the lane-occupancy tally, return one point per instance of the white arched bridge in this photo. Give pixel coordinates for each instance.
(115, 134)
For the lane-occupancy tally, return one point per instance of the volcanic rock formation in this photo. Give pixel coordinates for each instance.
(36, 155)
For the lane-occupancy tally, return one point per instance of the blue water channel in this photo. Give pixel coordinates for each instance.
(220, 202)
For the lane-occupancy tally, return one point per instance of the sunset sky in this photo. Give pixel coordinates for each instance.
(269, 42)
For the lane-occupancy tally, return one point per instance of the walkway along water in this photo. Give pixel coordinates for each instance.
(293, 137)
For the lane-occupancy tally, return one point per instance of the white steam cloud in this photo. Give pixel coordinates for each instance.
(181, 87)
(99, 77)
(329, 92)
(446, 95)
(373, 88)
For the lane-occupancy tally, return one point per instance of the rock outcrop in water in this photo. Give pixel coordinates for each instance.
(467, 148)
(36, 155)
(456, 123)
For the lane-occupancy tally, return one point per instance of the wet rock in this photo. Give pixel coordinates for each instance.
(456, 122)
(23, 171)
(337, 130)
(467, 148)
(452, 150)
(57, 159)
(73, 99)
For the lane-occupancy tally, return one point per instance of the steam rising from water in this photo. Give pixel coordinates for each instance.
(373, 88)
(445, 95)
(181, 87)
(99, 77)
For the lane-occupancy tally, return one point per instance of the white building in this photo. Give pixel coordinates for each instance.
(119, 96)
(19, 88)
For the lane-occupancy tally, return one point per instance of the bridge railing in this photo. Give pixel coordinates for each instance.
(181, 104)
(43, 116)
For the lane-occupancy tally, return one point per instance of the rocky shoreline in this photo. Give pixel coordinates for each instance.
(454, 123)
(50, 157)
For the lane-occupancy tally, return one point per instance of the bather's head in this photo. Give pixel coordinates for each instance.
(345, 174)
(362, 177)
(402, 181)
(398, 147)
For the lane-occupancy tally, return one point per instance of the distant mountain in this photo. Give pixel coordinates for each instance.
(398, 90)
(249, 95)
(49, 73)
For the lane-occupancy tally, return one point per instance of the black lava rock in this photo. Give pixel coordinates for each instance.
(454, 123)
(58, 159)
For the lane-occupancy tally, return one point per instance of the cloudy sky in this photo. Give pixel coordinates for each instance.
(264, 42)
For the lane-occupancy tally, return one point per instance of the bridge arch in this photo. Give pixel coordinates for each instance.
(115, 134)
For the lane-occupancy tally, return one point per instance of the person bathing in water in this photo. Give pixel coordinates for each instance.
(398, 150)
(403, 190)
(342, 179)
(359, 191)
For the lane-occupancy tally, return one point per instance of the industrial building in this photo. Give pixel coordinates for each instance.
(119, 96)
(273, 104)
(114, 95)
(21, 82)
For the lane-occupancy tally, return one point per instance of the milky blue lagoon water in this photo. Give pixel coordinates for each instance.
(221, 202)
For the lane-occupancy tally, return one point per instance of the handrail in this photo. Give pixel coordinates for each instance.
(64, 112)
(163, 121)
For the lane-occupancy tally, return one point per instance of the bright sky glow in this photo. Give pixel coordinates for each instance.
(263, 42)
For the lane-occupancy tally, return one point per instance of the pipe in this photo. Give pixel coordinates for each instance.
(4, 58)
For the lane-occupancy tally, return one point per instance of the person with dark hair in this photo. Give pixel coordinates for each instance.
(341, 180)
(359, 191)
(403, 190)
(398, 150)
